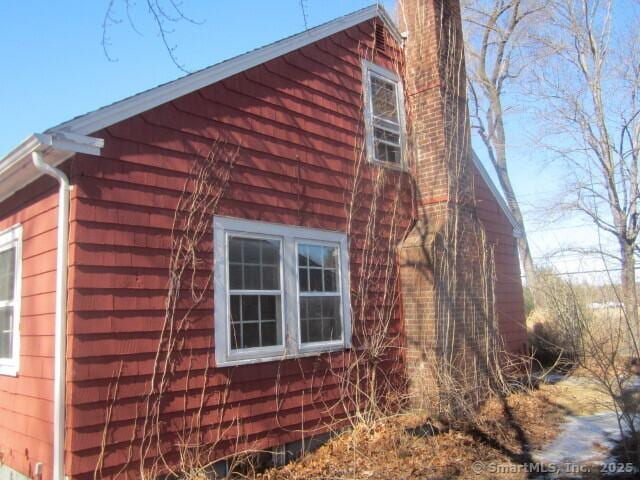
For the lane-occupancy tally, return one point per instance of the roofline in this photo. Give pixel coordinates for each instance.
(17, 169)
(129, 107)
(517, 231)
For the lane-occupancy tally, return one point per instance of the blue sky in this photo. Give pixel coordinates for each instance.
(54, 68)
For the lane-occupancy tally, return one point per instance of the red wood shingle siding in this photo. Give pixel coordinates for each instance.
(298, 122)
(508, 284)
(26, 401)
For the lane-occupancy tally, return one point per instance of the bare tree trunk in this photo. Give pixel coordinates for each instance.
(499, 161)
(497, 32)
(628, 280)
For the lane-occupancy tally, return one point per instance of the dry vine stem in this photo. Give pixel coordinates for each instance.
(186, 290)
(461, 346)
(370, 379)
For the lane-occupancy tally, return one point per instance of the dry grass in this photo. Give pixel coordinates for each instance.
(579, 395)
(408, 446)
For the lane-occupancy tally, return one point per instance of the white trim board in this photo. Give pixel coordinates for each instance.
(12, 238)
(129, 107)
(289, 236)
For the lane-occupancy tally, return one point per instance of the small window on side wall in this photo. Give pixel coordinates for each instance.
(10, 283)
(384, 115)
(279, 291)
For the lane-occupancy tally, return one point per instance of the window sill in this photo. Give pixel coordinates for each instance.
(9, 370)
(304, 352)
(391, 166)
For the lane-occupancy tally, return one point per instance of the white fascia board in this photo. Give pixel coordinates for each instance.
(496, 193)
(17, 169)
(70, 142)
(127, 108)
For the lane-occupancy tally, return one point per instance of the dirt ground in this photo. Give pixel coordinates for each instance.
(404, 447)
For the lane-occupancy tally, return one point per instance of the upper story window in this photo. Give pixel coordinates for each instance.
(10, 280)
(384, 115)
(280, 291)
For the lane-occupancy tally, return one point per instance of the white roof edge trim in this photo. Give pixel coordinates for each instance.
(17, 169)
(496, 193)
(136, 104)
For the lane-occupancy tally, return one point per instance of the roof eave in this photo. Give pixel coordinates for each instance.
(517, 231)
(144, 101)
(17, 169)
(62, 141)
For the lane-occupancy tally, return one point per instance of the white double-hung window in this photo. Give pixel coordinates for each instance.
(10, 279)
(279, 291)
(384, 115)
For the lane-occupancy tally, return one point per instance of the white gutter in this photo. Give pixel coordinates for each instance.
(40, 154)
(60, 358)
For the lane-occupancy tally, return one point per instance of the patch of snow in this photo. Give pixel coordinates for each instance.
(583, 440)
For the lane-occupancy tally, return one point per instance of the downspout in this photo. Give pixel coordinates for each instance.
(62, 255)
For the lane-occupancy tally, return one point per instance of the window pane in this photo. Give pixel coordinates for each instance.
(320, 319)
(330, 283)
(234, 307)
(315, 280)
(236, 336)
(386, 136)
(303, 256)
(383, 99)
(251, 250)
(387, 153)
(303, 275)
(251, 277)
(235, 250)
(269, 334)
(250, 304)
(250, 335)
(7, 266)
(270, 252)
(255, 321)
(314, 307)
(6, 332)
(314, 252)
(235, 277)
(268, 307)
(332, 323)
(330, 257)
(270, 280)
(314, 329)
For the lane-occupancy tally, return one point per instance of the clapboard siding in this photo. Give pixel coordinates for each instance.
(297, 121)
(26, 401)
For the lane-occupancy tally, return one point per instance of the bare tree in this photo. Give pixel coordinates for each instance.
(589, 90)
(499, 49)
(165, 15)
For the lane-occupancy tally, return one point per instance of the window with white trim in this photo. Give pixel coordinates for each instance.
(10, 283)
(384, 115)
(279, 291)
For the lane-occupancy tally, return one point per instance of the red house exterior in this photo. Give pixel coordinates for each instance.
(289, 120)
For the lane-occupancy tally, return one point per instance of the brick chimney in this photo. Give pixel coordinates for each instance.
(441, 260)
